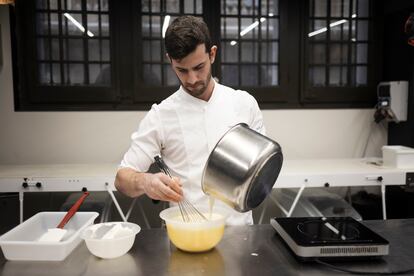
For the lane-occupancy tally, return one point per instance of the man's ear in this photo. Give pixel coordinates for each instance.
(168, 57)
(213, 52)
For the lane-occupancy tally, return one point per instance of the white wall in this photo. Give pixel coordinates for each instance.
(85, 137)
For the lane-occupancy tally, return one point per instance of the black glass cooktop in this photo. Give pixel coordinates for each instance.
(321, 231)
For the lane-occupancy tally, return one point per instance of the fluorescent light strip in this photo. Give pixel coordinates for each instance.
(252, 26)
(249, 28)
(165, 25)
(317, 32)
(77, 24)
(336, 23)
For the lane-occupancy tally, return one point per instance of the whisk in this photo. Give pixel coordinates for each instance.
(189, 213)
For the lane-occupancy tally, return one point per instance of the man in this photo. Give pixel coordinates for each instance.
(185, 127)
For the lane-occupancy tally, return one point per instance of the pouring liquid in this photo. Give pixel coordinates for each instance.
(211, 205)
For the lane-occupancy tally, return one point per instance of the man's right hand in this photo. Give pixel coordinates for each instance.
(157, 186)
(161, 187)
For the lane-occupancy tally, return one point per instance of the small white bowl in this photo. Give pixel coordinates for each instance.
(106, 245)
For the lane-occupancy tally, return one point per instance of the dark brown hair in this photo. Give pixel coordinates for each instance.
(184, 35)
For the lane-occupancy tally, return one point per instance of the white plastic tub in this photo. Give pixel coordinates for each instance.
(398, 156)
(21, 243)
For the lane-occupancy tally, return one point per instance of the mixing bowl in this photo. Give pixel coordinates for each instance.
(110, 239)
(195, 236)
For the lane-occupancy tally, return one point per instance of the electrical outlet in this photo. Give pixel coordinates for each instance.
(409, 179)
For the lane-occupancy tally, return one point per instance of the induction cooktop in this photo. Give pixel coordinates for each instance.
(329, 237)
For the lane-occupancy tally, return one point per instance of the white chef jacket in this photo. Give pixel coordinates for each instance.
(184, 130)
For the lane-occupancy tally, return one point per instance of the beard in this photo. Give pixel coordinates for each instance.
(197, 89)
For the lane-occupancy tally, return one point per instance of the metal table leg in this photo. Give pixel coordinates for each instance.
(279, 205)
(21, 205)
(144, 216)
(292, 208)
(111, 193)
(130, 207)
(384, 207)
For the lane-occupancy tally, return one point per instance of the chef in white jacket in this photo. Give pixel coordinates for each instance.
(184, 128)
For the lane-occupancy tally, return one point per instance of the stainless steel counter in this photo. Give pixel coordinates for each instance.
(244, 250)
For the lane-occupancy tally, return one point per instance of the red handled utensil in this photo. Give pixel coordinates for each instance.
(56, 234)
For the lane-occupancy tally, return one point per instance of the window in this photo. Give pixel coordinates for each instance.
(154, 22)
(339, 51)
(250, 47)
(154, 78)
(109, 55)
(249, 43)
(65, 55)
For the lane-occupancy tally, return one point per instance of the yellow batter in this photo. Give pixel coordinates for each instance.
(195, 239)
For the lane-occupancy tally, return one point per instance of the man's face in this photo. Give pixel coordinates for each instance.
(194, 70)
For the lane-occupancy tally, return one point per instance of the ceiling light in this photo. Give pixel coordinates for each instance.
(165, 25)
(77, 24)
(249, 28)
(336, 23)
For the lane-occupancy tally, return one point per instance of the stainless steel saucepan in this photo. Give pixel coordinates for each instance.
(242, 168)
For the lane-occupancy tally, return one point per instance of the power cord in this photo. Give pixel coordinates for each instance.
(364, 153)
(357, 272)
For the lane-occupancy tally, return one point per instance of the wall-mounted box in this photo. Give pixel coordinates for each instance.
(398, 156)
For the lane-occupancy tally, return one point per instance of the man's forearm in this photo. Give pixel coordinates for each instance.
(130, 182)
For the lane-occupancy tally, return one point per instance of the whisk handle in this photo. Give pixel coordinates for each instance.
(161, 165)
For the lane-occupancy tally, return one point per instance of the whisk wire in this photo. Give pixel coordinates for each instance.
(182, 211)
(189, 213)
